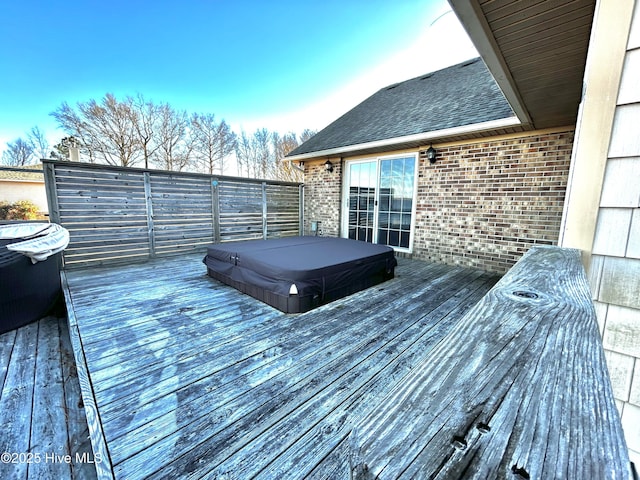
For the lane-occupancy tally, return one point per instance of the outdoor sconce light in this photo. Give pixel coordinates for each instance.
(431, 154)
(328, 166)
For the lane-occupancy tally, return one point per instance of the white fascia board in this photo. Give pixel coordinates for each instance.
(419, 137)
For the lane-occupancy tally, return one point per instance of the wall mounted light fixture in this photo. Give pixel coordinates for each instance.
(431, 154)
(328, 166)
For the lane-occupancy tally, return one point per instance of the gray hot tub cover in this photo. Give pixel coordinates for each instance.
(41, 240)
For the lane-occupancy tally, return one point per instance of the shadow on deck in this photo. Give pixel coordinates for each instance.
(191, 378)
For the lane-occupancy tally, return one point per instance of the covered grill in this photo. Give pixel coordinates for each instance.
(29, 271)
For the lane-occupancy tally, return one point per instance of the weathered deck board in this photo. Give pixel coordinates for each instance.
(77, 428)
(49, 428)
(518, 388)
(306, 441)
(16, 400)
(98, 445)
(319, 380)
(193, 379)
(40, 411)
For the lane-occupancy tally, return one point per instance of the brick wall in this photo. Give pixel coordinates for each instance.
(481, 205)
(322, 192)
(485, 204)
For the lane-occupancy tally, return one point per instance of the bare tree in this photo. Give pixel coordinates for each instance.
(145, 116)
(282, 146)
(77, 129)
(214, 142)
(244, 154)
(175, 143)
(227, 141)
(39, 143)
(264, 154)
(306, 135)
(252, 153)
(204, 132)
(138, 130)
(115, 129)
(18, 153)
(261, 154)
(106, 129)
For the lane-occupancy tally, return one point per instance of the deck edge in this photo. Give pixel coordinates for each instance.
(101, 456)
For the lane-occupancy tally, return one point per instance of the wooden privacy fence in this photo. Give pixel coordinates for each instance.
(118, 215)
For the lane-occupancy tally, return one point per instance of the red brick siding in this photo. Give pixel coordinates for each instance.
(484, 205)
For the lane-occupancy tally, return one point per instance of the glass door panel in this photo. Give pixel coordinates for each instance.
(396, 201)
(362, 199)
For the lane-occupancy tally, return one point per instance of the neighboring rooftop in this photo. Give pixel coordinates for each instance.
(27, 173)
(459, 96)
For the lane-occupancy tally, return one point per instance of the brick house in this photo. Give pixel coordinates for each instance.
(524, 155)
(493, 190)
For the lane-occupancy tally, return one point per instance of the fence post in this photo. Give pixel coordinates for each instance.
(52, 192)
(264, 210)
(301, 209)
(215, 209)
(149, 202)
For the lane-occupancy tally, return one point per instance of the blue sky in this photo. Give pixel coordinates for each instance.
(278, 64)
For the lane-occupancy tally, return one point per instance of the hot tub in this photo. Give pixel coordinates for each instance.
(29, 271)
(297, 274)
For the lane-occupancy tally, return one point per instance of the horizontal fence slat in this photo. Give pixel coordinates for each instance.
(139, 241)
(113, 219)
(107, 184)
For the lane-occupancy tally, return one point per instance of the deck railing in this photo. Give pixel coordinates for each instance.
(120, 215)
(518, 389)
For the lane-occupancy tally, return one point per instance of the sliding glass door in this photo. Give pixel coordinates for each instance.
(361, 200)
(380, 198)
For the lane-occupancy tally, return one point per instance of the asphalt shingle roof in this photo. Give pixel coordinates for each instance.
(463, 94)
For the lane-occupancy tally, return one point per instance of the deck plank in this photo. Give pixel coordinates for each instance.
(192, 378)
(7, 342)
(305, 439)
(16, 400)
(38, 408)
(101, 457)
(80, 450)
(511, 389)
(334, 366)
(49, 434)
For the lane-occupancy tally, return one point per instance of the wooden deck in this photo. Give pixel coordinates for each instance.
(186, 377)
(519, 389)
(44, 430)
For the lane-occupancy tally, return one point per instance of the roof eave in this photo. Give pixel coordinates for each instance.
(425, 137)
(479, 31)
